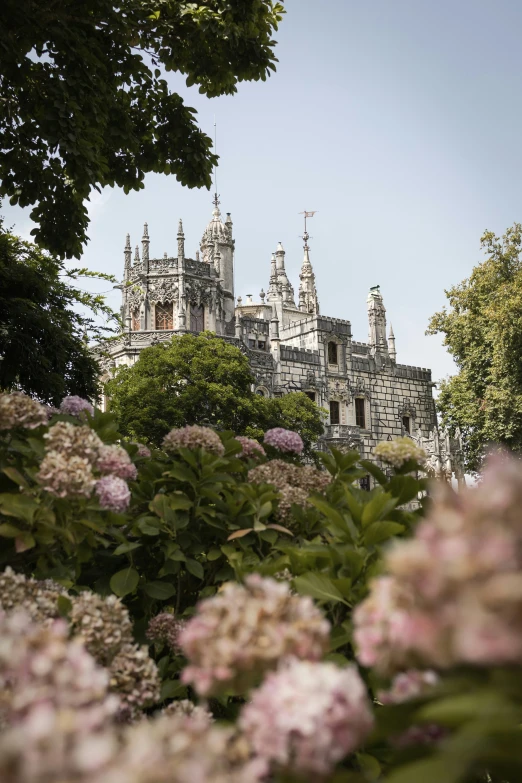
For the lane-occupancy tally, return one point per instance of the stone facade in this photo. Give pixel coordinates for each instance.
(367, 394)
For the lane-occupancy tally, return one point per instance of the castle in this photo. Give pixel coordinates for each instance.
(369, 396)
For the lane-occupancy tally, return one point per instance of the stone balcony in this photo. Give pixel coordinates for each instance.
(344, 432)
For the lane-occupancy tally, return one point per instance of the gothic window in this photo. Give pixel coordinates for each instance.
(406, 423)
(360, 413)
(332, 353)
(164, 319)
(197, 317)
(261, 392)
(261, 345)
(251, 343)
(136, 322)
(311, 395)
(334, 412)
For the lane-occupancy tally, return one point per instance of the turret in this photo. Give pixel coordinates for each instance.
(391, 345)
(145, 242)
(127, 254)
(377, 321)
(181, 242)
(308, 301)
(219, 234)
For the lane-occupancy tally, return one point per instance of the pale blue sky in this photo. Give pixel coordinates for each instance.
(397, 120)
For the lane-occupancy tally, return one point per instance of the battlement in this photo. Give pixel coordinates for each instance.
(416, 373)
(302, 355)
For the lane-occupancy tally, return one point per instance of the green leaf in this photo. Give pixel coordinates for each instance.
(318, 586)
(178, 500)
(24, 541)
(9, 531)
(64, 605)
(374, 471)
(378, 532)
(122, 549)
(16, 476)
(214, 553)
(125, 581)
(20, 506)
(173, 689)
(160, 590)
(369, 765)
(379, 507)
(195, 568)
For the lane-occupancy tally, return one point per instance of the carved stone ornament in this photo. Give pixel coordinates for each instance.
(358, 389)
(164, 291)
(198, 292)
(135, 297)
(340, 390)
(407, 408)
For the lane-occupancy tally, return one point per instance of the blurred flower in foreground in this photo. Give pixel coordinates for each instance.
(243, 631)
(306, 717)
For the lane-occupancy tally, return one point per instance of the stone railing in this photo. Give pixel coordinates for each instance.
(342, 432)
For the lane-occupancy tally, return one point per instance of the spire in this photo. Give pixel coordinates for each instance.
(145, 242)
(128, 254)
(137, 255)
(181, 241)
(377, 321)
(272, 288)
(308, 301)
(391, 345)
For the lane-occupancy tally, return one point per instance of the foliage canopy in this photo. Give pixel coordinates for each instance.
(43, 336)
(84, 103)
(201, 379)
(483, 332)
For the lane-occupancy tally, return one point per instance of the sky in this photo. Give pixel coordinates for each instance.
(397, 120)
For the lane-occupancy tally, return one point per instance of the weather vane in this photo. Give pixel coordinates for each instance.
(306, 235)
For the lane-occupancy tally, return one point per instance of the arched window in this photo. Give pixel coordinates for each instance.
(136, 321)
(164, 319)
(406, 423)
(332, 353)
(197, 317)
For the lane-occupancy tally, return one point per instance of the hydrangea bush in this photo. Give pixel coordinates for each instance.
(340, 634)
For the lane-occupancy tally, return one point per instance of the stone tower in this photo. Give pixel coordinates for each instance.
(217, 249)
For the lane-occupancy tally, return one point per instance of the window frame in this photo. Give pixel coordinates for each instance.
(333, 352)
(168, 316)
(360, 408)
(200, 315)
(338, 414)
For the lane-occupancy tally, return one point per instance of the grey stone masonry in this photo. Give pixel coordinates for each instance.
(366, 395)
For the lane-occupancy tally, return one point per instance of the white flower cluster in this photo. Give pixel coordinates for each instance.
(399, 451)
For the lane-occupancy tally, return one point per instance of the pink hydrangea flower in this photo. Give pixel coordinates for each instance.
(453, 593)
(306, 717)
(245, 630)
(143, 451)
(74, 405)
(113, 493)
(194, 437)
(115, 460)
(283, 440)
(20, 410)
(250, 447)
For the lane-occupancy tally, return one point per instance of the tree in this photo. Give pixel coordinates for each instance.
(43, 339)
(483, 332)
(201, 379)
(84, 104)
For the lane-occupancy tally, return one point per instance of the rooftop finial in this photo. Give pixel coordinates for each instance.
(146, 231)
(137, 255)
(215, 200)
(306, 235)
